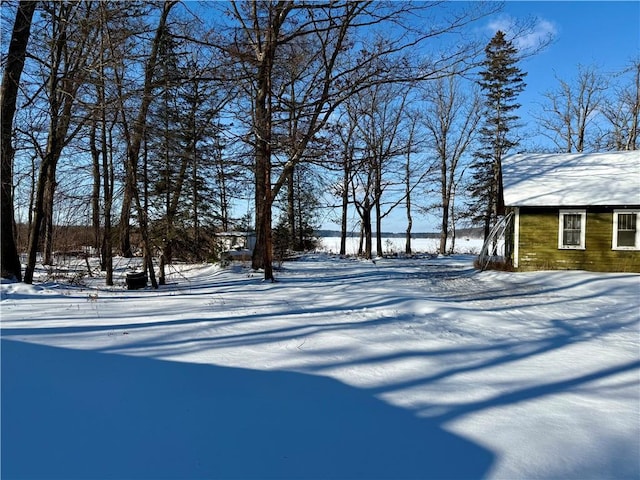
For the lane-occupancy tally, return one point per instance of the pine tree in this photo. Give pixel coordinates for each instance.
(501, 81)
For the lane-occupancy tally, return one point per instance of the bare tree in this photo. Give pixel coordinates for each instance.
(346, 65)
(121, 34)
(412, 169)
(346, 134)
(623, 113)
(634, 104)
(451, 117)
(137, 136)
(66, 71)
(297, 61)
(570, 109)
(381, 114)
(101, 134)
(260, 27)
(9, 260)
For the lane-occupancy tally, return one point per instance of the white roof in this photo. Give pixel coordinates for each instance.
(572, 179)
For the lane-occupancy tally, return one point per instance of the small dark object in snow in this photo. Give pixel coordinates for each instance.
(136, 280)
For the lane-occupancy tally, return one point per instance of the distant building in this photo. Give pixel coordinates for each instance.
(573, 211)
(230, 241)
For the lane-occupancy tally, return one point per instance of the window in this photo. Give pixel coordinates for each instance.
(625, 230)
(571, 231)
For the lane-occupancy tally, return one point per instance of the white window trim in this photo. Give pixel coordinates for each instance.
(583, 229)
(614, 241)
(516, 237)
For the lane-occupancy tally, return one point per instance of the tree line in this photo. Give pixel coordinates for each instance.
(155, 123)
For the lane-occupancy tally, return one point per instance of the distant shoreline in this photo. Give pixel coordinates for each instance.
(462, 232)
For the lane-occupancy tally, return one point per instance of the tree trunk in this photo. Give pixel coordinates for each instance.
(366, 225)
(58, 128)
(50, 184)
(104, 159)
(407, 192)
(133, 149)
(62, 88)
(9, 259)
(452, 219)
(291, 210)
(379, 250)
(345, 205)
(125, 215)
(43, 203)
(95, 192)
(407, 243)
(377, 188)
(263, 251)
(195, 209)
(267, 39)
(107, 173)
(38, 218)
(161, 275)
(444, 226)
(632, 141)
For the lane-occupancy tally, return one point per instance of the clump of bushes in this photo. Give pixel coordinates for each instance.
(500, 264)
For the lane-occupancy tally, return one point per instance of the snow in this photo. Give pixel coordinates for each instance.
(402, 368)
(396, 245)
(572, 179)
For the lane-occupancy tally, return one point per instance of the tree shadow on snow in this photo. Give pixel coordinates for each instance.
(81, 414)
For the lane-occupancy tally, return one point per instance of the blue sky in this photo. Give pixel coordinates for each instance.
(601, 34)
(589, 33)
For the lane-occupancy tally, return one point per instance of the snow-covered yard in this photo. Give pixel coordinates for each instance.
(420, 368)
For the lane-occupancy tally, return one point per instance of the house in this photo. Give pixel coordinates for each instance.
(573, 211)
(236, 245)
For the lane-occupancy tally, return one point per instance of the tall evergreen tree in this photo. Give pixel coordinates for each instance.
(164, 160)
(501, 81)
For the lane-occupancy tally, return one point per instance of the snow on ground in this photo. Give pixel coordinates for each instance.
(396, 245)
(402, 368)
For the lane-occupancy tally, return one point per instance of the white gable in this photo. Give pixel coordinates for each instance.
(572, 179)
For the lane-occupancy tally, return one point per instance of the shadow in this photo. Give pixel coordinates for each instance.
(81, 414)
(538, 391)
(65, 412)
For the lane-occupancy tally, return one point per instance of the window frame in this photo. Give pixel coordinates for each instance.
(614, 239)
(583, 229)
